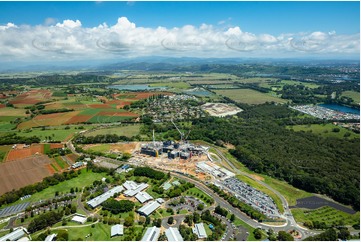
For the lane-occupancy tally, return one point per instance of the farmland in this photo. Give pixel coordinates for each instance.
(129, 131)
(352, 94)
(24, 171)
(249, 96)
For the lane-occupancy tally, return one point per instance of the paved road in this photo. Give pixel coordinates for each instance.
(177, 217)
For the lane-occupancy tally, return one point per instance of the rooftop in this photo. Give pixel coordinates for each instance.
(200, 231)
(149, 208)
(143, 197)
(102, 198)
(151, 234)
(173, 234)
(117, 229)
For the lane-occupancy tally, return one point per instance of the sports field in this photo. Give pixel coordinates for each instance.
(249, 96)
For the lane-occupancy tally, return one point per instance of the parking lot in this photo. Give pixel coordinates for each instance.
(251, 196)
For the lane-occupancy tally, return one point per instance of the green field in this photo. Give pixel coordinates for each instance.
(352, 94)
(195, 192)
(261, 188)
(325, 214)
(56, 133)
(324, 130)
(100, 148)
(249, 96)
(4, 151)
(84, 179)
(129, 130)
(178, 85)
(108, 119)
(60, 162)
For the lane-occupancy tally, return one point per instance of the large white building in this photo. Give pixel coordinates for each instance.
(149, 208)
(173, 234)
(151, 234)
(102, 198)
(15, 235)
(200, 231)
(143, 197)
(116, 230)
(133, 188)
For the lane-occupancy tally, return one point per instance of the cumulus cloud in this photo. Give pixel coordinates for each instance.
(69, 40)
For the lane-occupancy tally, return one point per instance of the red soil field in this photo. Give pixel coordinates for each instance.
(25, 152)
(48, 116)
(72, 157)
(122, 114)
(32, 97)
(22, 172)
(2, 105)
(99, 106)
(56, 146)
(79, 119)
(50, 169)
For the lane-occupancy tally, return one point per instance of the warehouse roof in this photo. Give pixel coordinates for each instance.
(13, 236)
(200, 231)
(133, 188)
(149, 208)
(143, 197)
(173, 234)
(117, 229)
(102, 198)
(151, 234)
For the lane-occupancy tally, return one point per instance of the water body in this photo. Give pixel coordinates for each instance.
(135, 87)
(198, 92)
(341, 108)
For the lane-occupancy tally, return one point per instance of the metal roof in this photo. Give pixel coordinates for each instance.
(173, 234)
(166, 186)
(50, 237)
(13, 236)
(151, 234)
(117, 229)
(79, 219)
(133, 188)
(149, 208)
(200, 231)
(143, 197)
(102, 198)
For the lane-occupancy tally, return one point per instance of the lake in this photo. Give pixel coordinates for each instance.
(341, 108)
(135, 87)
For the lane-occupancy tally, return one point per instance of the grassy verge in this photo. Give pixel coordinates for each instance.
(60, 162)
(195, 192)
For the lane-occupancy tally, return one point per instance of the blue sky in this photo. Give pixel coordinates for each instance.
(255, 17)
(61, 31)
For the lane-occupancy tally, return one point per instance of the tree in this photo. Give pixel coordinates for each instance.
(257, 233)
(200, 206)
(344, 234)
(233, 217)
(128, 221)
(170, 220)
(284, 236)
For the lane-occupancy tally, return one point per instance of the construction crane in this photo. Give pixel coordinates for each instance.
(180, 132)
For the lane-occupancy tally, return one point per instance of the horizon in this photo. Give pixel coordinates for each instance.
(38, 33)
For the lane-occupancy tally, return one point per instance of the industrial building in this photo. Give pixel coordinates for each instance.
(149, 208)
(200, 231)
(151, 234)
(15, 235)
(214, 170)
(133, 188)
(143, 197)
(116, 230)
(173, 234)
(102, 198)
(77, 165)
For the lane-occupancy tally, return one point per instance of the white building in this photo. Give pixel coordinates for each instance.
(143, 197)
(173, 234)
(15, 235)
(102, 198)
(133, 188)
(149, 208)
(50, 237)
(151, 234)
(79, 219)
(116, 230)
(200, 231)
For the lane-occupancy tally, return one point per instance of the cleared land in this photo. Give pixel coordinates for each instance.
(249, 96)
(21, 153)
(324, 130)
(21, 172)
(129, 131)
(352, 94)
(325, 214)
(112, 148)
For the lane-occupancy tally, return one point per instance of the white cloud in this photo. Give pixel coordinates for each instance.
(49, 21)
(70, 40)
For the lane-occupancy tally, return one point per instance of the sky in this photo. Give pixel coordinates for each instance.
(58, 31)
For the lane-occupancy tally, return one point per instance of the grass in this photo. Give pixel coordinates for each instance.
(12, 112)
(46, 148)
(195, 192)
(183, 211)
(324, 130)
(352, 94)
(54, 167)
(129, 130)
(100, 148)
(261, 188)
(4, 151)
(8, 118)
(178, 85)
(325, 214)
(60, 162)
(249, 96)
(56, 133)
(84, 179)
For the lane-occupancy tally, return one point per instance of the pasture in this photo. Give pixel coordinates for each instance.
(175, 84)
(324, 130)
(249, 96)
(129, 130)
(352, 94)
